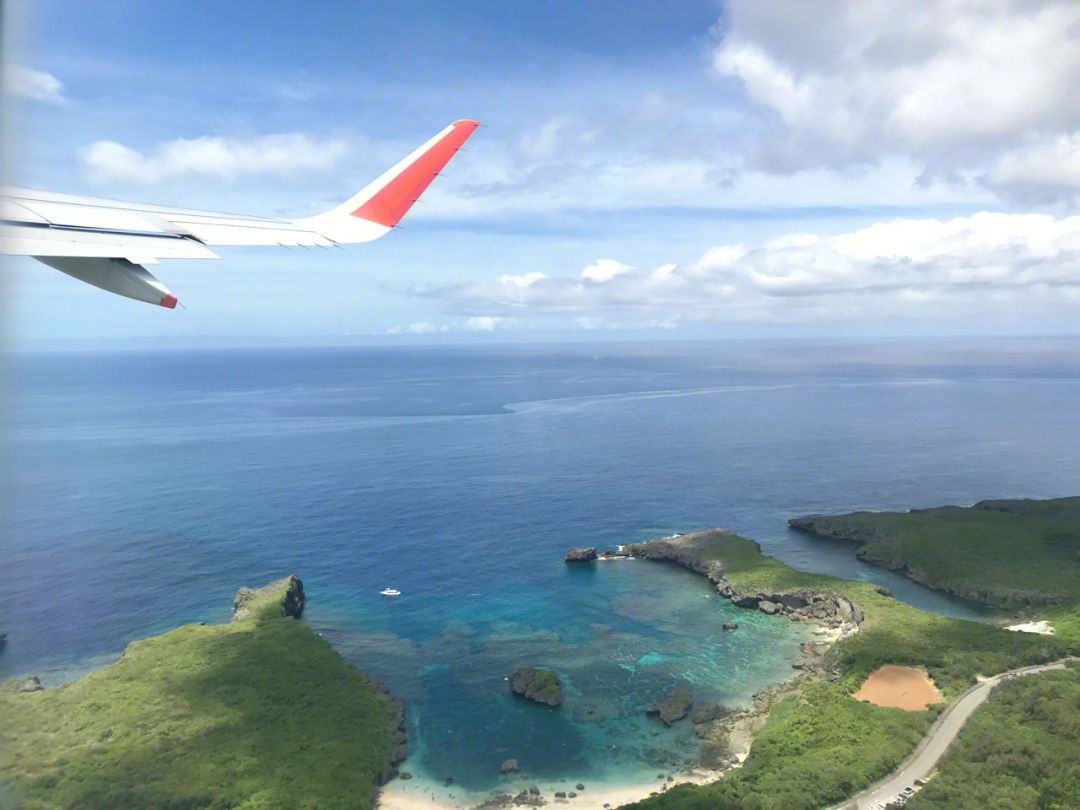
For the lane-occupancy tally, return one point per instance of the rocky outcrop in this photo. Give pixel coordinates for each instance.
(538, 685)
(21, 686)
(612, 555)
(731, 627)
(673, 706)
(708, 711)
(581, 554)
(287, 594)
(401, 737)
(697, 551)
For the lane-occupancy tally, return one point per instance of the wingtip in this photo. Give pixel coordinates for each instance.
(169, 301)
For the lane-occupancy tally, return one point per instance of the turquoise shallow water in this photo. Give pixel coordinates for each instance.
(640, 629)
(144, 489)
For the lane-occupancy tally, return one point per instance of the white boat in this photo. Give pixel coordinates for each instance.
(390, 592)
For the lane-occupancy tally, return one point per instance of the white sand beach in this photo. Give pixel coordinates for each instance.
(416, 795)
(1042, 627)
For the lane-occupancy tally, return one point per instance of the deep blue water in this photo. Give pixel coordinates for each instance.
(144, 488)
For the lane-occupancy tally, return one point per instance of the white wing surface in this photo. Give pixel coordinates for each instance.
(106, 242)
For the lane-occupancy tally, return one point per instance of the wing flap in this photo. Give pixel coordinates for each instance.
(27, 240)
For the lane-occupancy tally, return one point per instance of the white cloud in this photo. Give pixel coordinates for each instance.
(1040, 172)
(223, 157)
(24, 82)
(418, 328)
(605, 270)
(959, 84)
(989, 262)
(484, 323)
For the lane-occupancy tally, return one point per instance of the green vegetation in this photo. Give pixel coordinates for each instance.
(816, 749)
(1010, 554)
(1021, 750)
(952, 650)
(253, 715)
(823, 746)
(547, 685)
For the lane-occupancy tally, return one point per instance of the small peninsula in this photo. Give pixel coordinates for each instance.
(257, 713)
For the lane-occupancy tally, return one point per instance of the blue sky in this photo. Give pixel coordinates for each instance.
(646, 170)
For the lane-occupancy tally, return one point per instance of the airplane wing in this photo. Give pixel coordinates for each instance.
(106, 243)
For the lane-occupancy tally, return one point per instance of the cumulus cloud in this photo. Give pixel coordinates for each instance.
(222, 157)
(986, 87)
(24, 82)
(989, 262)
(484, 323)
(605, 270)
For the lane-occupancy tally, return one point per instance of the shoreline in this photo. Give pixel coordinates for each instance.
(409, 794)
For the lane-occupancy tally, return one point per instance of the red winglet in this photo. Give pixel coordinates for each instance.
(392, 201)
(168, 301)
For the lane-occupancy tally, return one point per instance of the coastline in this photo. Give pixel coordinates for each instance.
(420, 795)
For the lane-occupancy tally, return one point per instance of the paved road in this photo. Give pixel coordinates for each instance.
(935, 743)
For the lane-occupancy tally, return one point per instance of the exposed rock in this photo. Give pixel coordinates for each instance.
(579, 786)
(581, 554)
(708, 712)
(21, 686)
(397, 713)
(572, 795)
(404, 775)
(539, 685)
(883, 590)
(534, 791)
(673, 706)
(510, 766)
(288, 593)
(731, 626)
(771, 608)
(560, 794)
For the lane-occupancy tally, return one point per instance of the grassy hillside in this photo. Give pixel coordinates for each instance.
(259, 713)
(1021, 751)
(1010, 554)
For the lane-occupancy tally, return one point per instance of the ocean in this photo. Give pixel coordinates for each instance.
(143, 488)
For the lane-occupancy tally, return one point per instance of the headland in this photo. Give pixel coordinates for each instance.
(252, 713)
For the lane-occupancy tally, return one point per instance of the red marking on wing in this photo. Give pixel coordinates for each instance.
(168, 301)
(392, 201)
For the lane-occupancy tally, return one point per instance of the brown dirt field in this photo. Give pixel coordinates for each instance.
(902, 687)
